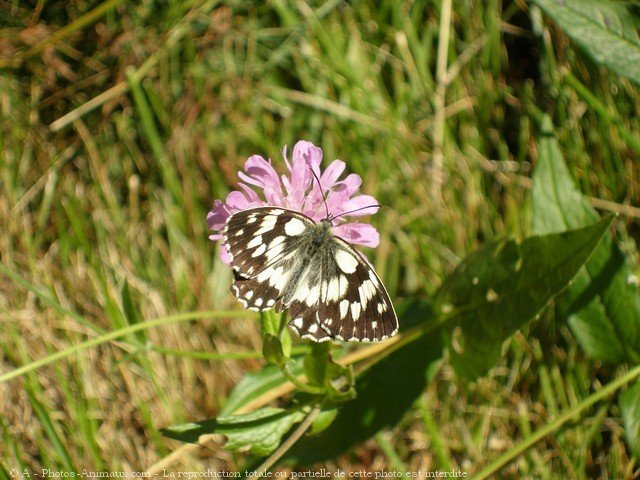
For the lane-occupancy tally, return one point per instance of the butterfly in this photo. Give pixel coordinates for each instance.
(284, 259)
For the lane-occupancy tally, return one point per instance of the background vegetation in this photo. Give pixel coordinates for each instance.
(123, 121)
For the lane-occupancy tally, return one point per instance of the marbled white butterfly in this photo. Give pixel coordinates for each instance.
(283, 259)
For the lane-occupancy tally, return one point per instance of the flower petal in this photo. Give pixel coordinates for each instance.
(286, 159)
(257, 169)
(351, 184)
(218, 215)
(335, 200)
(358, 233)
(237, 201)
(307, 153)
(250, 193)
(357, 206)
(261, 170)
(332, 173)
(315, 197)
(224, 256)
(306, 156)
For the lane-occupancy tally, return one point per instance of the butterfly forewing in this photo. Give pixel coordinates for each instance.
(282, 258)
(262, 253)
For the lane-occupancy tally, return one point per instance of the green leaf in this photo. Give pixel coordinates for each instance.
(259, 432)
(190, 432)
(255, 384)
(339, 382)
(602, 303)
(385, 392)
(286, 342)
(604, 29)
(499, 288)
(323, 420)
(270, 322)
(315, 364)
(630, 406)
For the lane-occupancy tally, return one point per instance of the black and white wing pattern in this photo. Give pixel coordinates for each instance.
(283, 259)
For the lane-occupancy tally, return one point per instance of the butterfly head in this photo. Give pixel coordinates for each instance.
(321, 233)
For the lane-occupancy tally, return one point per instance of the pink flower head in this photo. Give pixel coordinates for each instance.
(300, 191)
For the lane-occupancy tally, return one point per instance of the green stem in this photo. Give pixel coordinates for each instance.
(183, 317)
(300, 385)
(572, 414)
(199, 355)
(196, 355)
(438, 445)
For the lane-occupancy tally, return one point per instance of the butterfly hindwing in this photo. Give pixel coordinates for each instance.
(352, 303)
(282, 258)
(254, 295)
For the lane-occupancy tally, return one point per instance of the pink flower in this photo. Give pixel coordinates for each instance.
(299, 191)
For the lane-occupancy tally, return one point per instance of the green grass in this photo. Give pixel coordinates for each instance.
(103, 218)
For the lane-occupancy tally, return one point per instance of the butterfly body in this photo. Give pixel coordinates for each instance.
(283, 259)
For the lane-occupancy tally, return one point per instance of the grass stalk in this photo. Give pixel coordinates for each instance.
(439, 101)
(572, 414)
(290, 441)
(107, 337)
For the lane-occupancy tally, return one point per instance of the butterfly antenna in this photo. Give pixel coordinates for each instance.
(324, 200)
(358, 209)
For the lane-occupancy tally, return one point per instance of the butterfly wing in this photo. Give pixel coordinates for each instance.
(263, 243)
(346, 299)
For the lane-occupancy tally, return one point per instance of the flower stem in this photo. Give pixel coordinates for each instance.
(299, 384)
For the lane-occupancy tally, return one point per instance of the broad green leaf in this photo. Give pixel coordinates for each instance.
(253, 385)
(385, 392)
(604, 29)
(259, 432)
(499, 288)
(316, 362)
(630, 406)
(602, 303)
